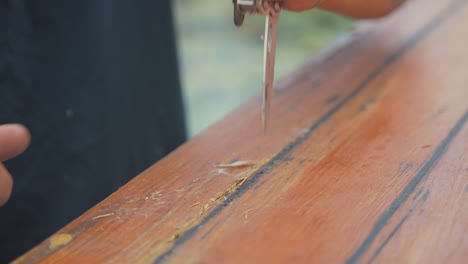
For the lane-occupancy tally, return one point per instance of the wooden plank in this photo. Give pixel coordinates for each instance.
(365, 161)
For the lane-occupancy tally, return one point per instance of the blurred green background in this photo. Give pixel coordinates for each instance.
(221, 65)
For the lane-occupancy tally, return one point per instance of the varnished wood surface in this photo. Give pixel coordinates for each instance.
(365, 161)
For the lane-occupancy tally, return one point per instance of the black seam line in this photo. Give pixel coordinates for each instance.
(394, 231)
(409, 189)
(411, 42)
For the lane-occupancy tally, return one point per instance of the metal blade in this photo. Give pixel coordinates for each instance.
(271, 30)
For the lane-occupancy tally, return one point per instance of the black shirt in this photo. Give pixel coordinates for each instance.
(96, 82)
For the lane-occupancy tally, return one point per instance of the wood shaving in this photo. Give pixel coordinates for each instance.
(237, 164)
(246, 213)
(102, 216)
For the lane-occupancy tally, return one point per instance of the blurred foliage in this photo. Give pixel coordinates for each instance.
(221, 65)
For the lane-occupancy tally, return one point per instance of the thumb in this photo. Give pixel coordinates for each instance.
(14, 139)
(6, 185)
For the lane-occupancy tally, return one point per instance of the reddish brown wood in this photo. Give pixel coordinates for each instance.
(365, 161)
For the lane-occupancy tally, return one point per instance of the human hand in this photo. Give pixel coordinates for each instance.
(301, 5)
(14, 139)
(352, 8)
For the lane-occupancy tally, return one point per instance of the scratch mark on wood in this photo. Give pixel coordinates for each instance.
(426, 195)
(367, 105)
(204, 236)
(440, 111)
(405, 168)
(418, 194)
(260, 184)
(220, 197)
(332, 99)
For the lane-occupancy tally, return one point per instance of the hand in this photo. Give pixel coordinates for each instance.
(352, 8)
(14, 139)
(301, 5)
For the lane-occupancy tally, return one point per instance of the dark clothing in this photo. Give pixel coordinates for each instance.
(96, 82)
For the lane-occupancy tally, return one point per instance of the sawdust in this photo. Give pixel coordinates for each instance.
(205, 207)
(236, 184)
(155, 196)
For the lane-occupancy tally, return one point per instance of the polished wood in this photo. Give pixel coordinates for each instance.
(365, 160)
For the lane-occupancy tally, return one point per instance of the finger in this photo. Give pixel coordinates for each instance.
(6, 185)
(14, 139)
(299, 5)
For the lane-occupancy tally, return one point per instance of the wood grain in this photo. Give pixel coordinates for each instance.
(365, 161)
